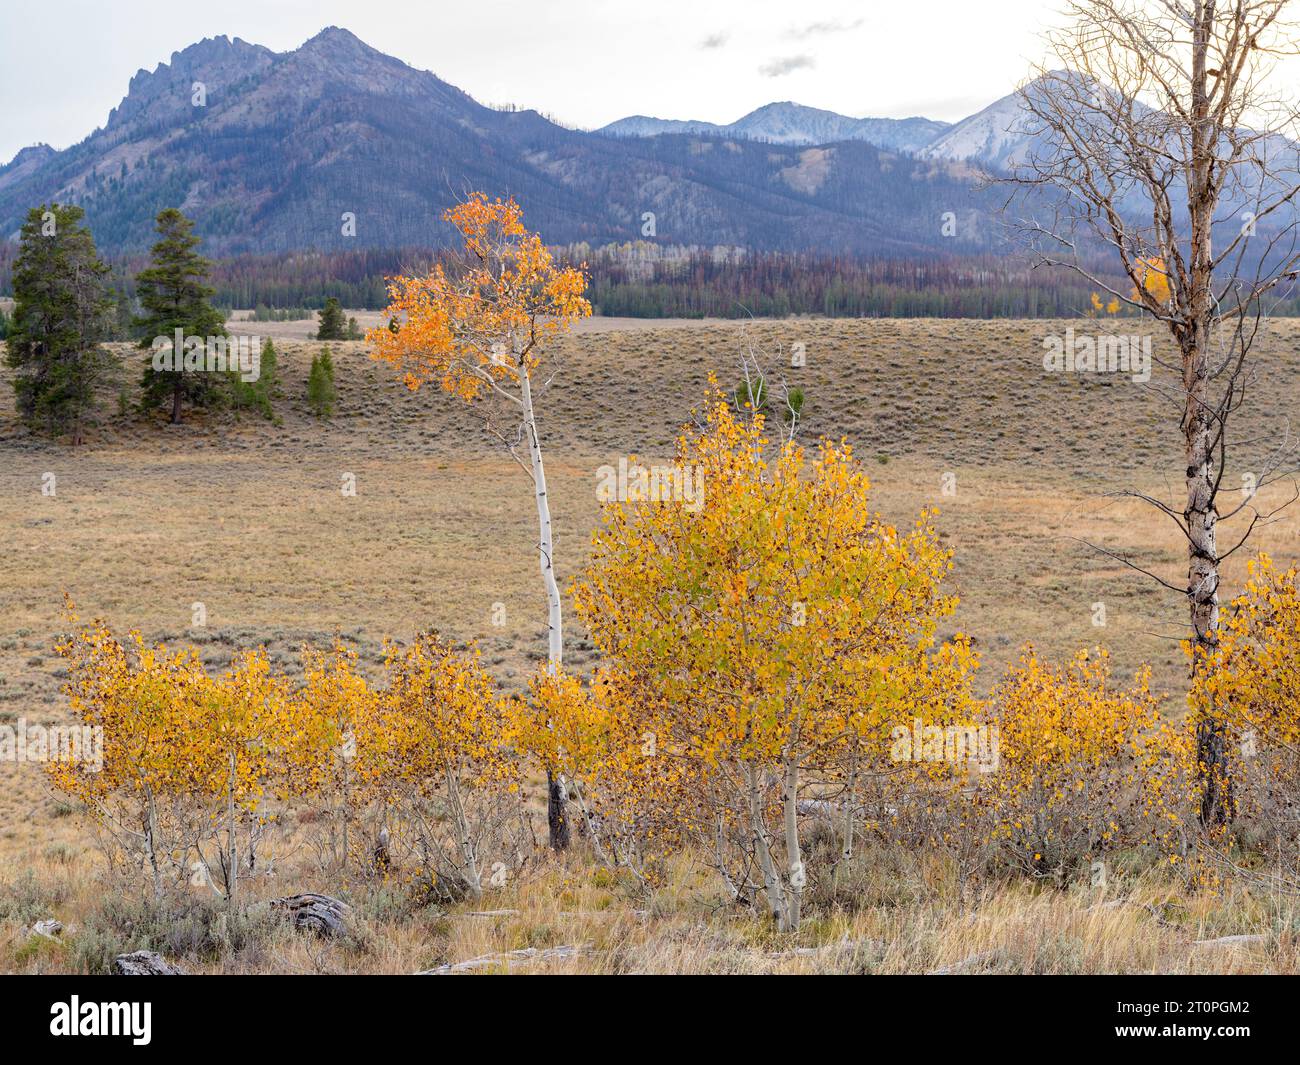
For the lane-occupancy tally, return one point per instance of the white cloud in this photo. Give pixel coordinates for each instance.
(783, 65)
(818, 29)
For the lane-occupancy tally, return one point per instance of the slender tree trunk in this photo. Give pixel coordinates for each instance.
(342, 860)
(468, 852)
(556, 816)
(1200, 430)
(232, 870)
(763, 849)
(589, 826)
(793, 854)
(1203, 596)
(176, 402)
(151, 846)
(850, 812)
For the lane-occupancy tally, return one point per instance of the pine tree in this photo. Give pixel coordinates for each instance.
(321, 393)
(173, 295)
(333, 326)
(268, 381)
(258, 395)
(62, 315)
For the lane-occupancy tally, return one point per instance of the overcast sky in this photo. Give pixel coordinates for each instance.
(587, 62)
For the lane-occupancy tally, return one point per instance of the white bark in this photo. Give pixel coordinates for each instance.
(468, 852)
(545, 540)
(555, 787)
(793, 854)
(233, 858)
(763, 850)
(592, 834)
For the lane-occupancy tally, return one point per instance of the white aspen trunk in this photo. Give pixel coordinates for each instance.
(1203, 588)
(232, 869)
(720, 861)
(468, 852)
(1199, 427)
(763, 849)
(794, 858)
(545, 542)
(556, 817)
(591, 829)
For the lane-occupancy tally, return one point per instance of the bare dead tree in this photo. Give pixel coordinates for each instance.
(1161, 149)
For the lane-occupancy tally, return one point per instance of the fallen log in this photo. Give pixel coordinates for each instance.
(508, 959)
(144, 963)
(311, 912)
(1232, 941)
(965, 965)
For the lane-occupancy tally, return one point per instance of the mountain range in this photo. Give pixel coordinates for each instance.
(994, 138)
(791, 123)
(273, 152)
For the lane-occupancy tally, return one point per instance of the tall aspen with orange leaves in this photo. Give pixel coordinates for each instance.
(772, 626)
(481, 332)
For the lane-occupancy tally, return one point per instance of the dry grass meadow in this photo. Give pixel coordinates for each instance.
(247, 518)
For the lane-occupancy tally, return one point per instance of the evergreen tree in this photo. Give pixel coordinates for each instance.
(62, 315)
(321, 393)
(259, 395)
(173, 296)
(4, 324)
(333, 326)
(269, 379)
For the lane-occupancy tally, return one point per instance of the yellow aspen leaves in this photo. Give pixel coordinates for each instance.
(770, 632)
(1086, 767)
(1153, 280)
(1251, 685)
(197, 769)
